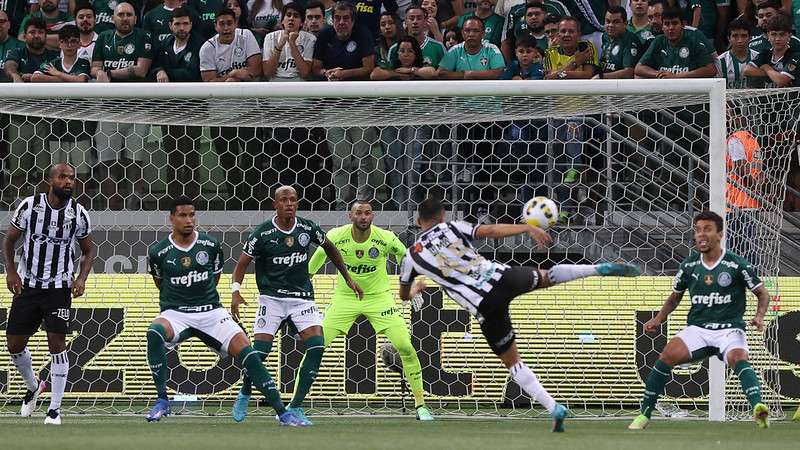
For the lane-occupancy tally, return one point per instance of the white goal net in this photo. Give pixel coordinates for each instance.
(630, 163)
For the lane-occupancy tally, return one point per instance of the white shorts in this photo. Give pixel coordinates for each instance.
(217, 324)
(272, 312)
(721, 341)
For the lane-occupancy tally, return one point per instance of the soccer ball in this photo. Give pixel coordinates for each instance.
(540, 212)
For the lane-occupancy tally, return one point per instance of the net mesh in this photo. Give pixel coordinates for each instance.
(629, 172)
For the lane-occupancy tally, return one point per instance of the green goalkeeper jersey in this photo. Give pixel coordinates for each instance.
(366, 261)
(717, 292)
(188, 275)
(281, 258)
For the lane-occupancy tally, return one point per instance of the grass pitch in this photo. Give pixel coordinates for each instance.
(351, 433)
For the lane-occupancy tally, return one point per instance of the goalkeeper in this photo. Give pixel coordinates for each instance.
(365, 249)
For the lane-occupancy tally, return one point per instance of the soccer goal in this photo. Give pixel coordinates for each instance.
(629, 162)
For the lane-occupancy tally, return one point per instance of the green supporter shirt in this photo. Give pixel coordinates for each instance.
(644, 34)
(207, 10)
(493, 26)
(181, 66)
(432, 52)
(718, 292)
(188, 275)
(708, 15)
(104, 11)
(788, 64)
(620, 53)
(281, 258)
(691, 52)
(365, 261)
(458, 60)
(53, 23)
(28, 62)
(11, 43)
(156, 23)
(120, 52)
(760, 43)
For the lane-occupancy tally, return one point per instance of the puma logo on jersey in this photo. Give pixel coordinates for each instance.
(715, 298)
(190, 278)
(291, 260)
(171, 261)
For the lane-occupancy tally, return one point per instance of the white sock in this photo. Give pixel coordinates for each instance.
(563, 273)
(525, 378)
(24, 364)
(59, 367)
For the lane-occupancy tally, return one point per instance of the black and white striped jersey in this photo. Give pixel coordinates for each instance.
(48, 260)
(444, 253)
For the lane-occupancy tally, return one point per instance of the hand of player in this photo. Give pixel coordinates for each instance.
(355, 287)
(14, 282)
(652, 325)
(236, 300)
(758, 322)
(540, 236)
(416, 288)
(162, 77)
(78, 287)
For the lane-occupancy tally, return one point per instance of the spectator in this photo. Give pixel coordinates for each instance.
(233, 55)
(678, 53)
(707, 16)
(104, 12)
(122, 55)
(368, 14)
(407, 63)
(621, 48)
(7, 43)
(315, 17)
(551, 22)
(436, 24)
(53, 17)
(390, 33)
(734, 61)
(524, 20)
(492, 23)
(288, 52)
(639, 23)
(69, 141)
(207, 10)
(237, 8)
(158, 21)
(655, 12)
(15, 11)
(504, 7)
(346, 52)
(474, 59)
(85, 19)
(765, 11)
(264, 16)
(417, 27)
(780, 64)
(527, 65)
(571, 58)
(452, 38)
(28, 160)
(177, 59)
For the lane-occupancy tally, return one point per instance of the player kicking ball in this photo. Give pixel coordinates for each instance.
(716, 279)
(365, 249)
(443, 252)
(186, 267)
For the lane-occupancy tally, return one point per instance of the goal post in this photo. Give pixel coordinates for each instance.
(649, 154)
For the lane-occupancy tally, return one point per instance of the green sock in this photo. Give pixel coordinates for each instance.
(412, 369)
(254, 368)
(157, 357)
(654, 386)
(315, 346)
(262, 348)
(750, 384)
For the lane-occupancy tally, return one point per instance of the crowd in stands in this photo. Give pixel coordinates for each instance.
(750, 43)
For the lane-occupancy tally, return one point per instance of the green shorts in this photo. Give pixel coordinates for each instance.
(381, 310)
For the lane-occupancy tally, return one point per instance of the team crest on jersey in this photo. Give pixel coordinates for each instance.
(615, 50)
(303, 239)
(634, 52)
(187, 57)
(359, 253)
(112, 5)
(186, 261)
(724, 279)
(202, 257)
(238, 52)
(261, 323)
(129, 49)
(373, 252)
(709, 279)
(484, 61)
(791, 67)
(351, 47)
(289, 241)
(417, 248)
(683, 52)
